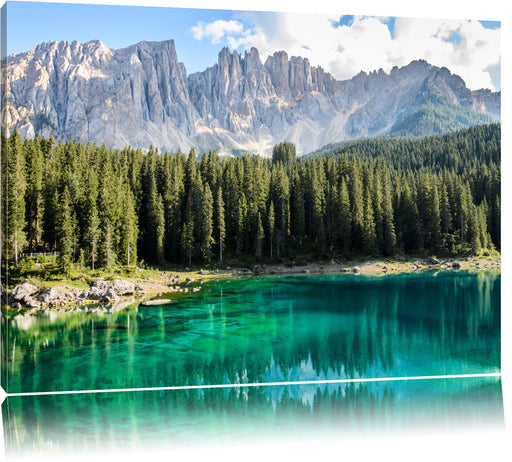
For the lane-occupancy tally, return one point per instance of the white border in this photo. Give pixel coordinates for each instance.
(496, 10)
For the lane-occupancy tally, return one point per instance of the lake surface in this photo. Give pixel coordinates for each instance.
(93, 424)
(269, 329)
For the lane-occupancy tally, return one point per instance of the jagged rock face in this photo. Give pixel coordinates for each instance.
(142, 96)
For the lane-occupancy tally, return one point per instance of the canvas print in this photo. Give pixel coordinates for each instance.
(247, 210)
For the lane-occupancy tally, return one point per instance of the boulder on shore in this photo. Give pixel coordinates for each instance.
(50, 296)
(22, 294)
(106, 291)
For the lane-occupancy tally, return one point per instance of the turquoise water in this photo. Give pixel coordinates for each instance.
(103, 423)
(269, 329)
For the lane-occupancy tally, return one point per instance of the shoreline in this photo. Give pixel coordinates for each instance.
(35, 296)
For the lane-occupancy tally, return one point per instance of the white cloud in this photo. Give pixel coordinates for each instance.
(367, 43)
(216, 30)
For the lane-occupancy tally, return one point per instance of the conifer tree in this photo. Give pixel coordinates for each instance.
(368, 237)
(389, 238)
(187, 234)
(66, 228)
(260, 235)
(34, 196)
(344, 227)
(207, 222)
(93, 235)
(220, 223)
(15, 189)
(271, 228)
(107, 246)
(129, 231)
(356, 201)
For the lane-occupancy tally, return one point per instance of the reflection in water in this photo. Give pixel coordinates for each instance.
(90, 423)
(269, 330)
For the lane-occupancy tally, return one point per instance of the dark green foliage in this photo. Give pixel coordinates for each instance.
(437, 115)
(284, 152)
(103, 208)
(14, 205)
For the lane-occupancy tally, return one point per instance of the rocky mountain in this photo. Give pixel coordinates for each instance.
(142, 95)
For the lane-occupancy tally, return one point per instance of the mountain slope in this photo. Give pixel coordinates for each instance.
(142, 95)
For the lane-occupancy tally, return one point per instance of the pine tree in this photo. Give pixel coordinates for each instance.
(157, 221)
(187, 237)
(389, 238)
(34, 196)
(66, 231)
(260, 235)
(129, 231)
(207, 222)
(16, 187)
(220, 223)
(271, 228)
(93, 235)
(369, 236)
(407, 220)
(428, 208)
(107, 247)
(284, 152)
(356, 201)
(297, 207)
(344, 226)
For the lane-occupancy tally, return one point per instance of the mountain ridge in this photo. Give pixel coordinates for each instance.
(141, 95)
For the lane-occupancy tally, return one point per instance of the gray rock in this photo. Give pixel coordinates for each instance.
(49, 296)
(107, 291)
(31, 302)
(22, 293)
(122, 287)
(109, 295)
(161, 301)
(456, 264)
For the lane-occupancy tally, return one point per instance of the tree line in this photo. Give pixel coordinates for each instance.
(102, 207)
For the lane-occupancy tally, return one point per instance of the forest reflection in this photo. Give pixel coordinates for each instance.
(89, 423)
(265, 329)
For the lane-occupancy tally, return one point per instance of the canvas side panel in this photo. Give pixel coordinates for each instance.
(3, 194)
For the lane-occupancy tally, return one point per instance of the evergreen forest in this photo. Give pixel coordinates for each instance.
(101, 208)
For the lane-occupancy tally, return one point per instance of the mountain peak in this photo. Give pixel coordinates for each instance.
(141, 95)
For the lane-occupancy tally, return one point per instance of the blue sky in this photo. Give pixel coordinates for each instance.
(334, 42)
(31, 23)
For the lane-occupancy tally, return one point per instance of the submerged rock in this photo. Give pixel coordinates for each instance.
(160, 301)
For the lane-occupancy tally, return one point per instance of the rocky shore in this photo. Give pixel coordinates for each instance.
(29, 296)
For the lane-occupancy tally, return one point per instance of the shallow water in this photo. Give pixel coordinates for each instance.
(270, 329)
